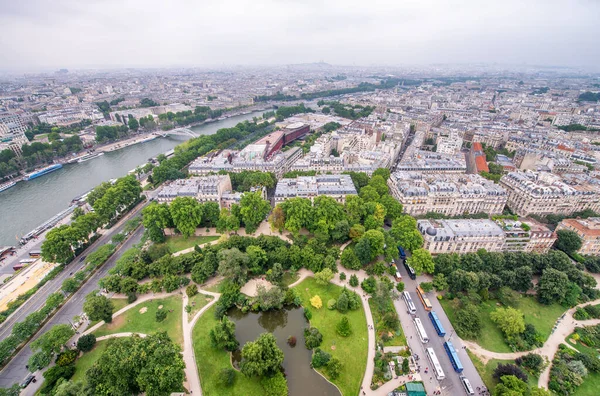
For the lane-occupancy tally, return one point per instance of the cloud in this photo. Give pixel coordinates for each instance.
(153, 33)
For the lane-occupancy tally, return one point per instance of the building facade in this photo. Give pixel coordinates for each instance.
(448, 194)
(12, 132)
(310, 187)
(203, 189)
(589, 232)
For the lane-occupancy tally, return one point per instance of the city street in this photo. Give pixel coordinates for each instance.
(15, 370)
(451, 385)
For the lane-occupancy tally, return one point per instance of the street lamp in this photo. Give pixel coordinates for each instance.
(451, 333)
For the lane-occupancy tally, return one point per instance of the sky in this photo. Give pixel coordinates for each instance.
(38, 34)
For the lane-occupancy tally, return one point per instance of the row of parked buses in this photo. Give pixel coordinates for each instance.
(424, 338)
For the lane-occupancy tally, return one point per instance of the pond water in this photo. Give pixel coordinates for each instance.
(302, 379)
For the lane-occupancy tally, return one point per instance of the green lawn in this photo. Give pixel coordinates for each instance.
(399, 338)
(119, 303)
(177, 243)
(289, 278)
(352, 350)
(88, 359)
(197, 302)
(211, 361)
(591, 383)
(541, 316)
(135, 321)
(214, 288)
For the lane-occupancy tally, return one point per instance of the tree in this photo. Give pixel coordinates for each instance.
(70, 388)
(532, 362)
(274, 385)
(510, 321)
(503, 370)
(426, 286)
(161, 315)
(343, 327)
(277, 218)
(158, 367)
(226, 377)
(210, 214)
(233, 265)
(376, 242)
(334, 368)
(312, 337)
(133, 123)
(383, 172)
(156, 217)
(369, 194)
(568, 241)
(275, 274)
(39, 360)
(98, 307)
(379, 184)
(53, 340)
(223, 335)
(324, 277)
(439, 282)
(261, 357)
(551, 286)
(393, 208)
(369, 285)
(257, 259)
(69, 285)
(404, 231)
(316, 302)
(353, 280)
(400, 287)
(59, 244)
(468, 321)
(421, 261)
(320, 358)
(511, 386)
(86, 343)
(187, 214)
(253, 209)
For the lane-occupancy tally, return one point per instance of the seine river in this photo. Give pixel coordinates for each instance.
(30, 203)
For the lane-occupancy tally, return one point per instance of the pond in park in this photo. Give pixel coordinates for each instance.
(283, 323)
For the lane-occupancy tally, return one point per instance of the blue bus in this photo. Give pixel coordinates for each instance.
(453, 355)
(402, 253)
(437, 325)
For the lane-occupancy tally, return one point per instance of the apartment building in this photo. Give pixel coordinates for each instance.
(543, 193)
(335, 186)
(589, 232)
(448, 194)
(12, 132)
(460, 236)
(470, 235)
(203, 189)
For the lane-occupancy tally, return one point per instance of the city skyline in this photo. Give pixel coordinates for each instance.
(38, 36)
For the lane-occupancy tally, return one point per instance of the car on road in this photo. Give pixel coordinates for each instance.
(82, 258)
(28, 380)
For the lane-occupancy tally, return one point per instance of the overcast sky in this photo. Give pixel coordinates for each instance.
(156, 33)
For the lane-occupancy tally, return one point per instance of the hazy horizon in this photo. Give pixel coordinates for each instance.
(109, 34)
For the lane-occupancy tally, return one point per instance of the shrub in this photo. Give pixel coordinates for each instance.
(131, 298)
(191, 290)
(509, 369)
(316, 302)
(53, 374)
(353, 280)
(334, 367)
(291, 341)
(320, 358)
(161, 315)
(67, 357)
(400, 287)
(342, 303)
(275, 385)
(331, 304)
(307, 314)
(343, 327)
(342, 276)
(312, 337)
(86, 342)
(227, 377)
(405, 366)
(369, 285)
(531, 362)
(427, 286)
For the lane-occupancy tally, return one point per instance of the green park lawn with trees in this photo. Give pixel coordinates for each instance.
(118, 304)
(352, 350)
(212, 361)
(179, 242)
(133, 320)
(86, 360)
(543, 317)
(197, 302)
(397, 339)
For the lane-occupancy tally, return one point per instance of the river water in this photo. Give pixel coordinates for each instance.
(283, 323)
(30, 203)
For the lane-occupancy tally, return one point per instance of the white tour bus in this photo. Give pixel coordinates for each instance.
(409, 303)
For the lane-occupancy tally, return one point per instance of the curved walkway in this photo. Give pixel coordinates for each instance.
(565, 327)
(189, 358)
(118, 335)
